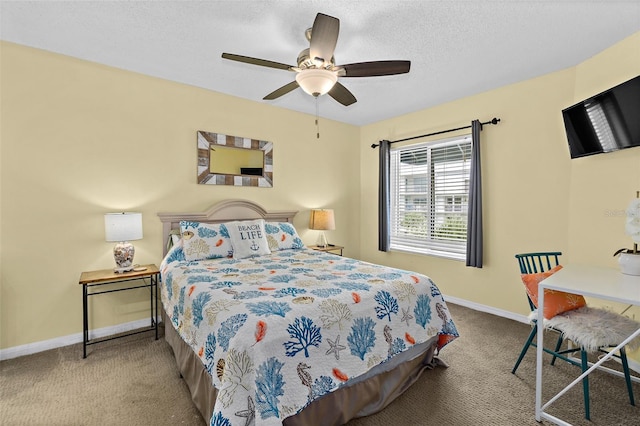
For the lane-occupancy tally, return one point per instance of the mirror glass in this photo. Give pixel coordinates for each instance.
(233, 160)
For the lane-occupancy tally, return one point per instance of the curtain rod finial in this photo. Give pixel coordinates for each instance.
(495, 120)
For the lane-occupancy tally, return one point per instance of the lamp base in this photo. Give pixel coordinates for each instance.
(322, 241)
(123, 255)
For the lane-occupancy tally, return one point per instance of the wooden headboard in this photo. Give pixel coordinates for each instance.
(224, 211)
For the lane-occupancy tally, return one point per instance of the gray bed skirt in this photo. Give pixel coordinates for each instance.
(362, 398)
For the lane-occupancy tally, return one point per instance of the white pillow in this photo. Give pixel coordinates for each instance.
(248, 238)
(282, 236)
(205, 240)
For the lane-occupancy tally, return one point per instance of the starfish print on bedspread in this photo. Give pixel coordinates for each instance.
(406, 315)
(249, 413)
(335, 347)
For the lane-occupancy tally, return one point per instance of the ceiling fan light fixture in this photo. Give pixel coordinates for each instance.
(316, 71)
(316, 82)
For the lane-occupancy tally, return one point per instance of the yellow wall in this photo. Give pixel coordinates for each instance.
(535, 198)
(602, 186)
(525, 175)
(81, 139)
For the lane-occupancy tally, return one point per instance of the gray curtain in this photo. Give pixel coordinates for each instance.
(474, 220)
(383, 196)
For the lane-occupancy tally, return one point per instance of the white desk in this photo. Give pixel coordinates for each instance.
(590, 281)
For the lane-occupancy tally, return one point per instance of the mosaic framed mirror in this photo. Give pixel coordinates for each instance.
(234, 160)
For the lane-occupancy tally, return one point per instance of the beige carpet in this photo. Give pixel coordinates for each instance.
(133, 381)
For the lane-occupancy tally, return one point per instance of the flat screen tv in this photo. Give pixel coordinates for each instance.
(254, 171)
(606, 122)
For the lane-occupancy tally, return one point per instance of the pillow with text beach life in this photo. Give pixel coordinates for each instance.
(205, 240)
(248, 238)
(555, 302)
(282, 236)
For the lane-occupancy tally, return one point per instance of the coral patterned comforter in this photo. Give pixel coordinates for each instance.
(276, 332)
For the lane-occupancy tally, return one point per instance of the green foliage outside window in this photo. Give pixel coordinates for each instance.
(454, 227)
(415, 223)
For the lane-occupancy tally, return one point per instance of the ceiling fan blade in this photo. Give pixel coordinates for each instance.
(256, 61)
(342, 94)
(324, 37)
(282, 91)
(375, 68)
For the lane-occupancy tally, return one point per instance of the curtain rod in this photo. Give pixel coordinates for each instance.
(493, 121)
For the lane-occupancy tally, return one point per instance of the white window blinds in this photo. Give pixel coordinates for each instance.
(429, 196)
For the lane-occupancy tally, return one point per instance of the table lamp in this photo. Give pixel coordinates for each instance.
(122, 228)
(322, 220)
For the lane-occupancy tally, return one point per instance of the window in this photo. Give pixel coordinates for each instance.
(429, 196)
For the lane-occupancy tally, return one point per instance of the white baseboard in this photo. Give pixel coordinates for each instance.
(488, 309)
(58, 342)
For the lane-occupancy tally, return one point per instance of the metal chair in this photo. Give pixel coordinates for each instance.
(531, 263)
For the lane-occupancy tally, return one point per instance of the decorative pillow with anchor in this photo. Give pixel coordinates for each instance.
(248, 238)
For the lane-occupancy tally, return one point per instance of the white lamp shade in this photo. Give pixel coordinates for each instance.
(316, 82)
(322, 220)
(122, 226)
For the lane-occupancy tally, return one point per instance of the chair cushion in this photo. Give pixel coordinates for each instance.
(593, 328)
(555, 302)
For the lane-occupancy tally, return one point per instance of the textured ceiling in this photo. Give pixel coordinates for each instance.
(456, 48)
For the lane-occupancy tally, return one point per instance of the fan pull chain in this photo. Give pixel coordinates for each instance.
(317, 122)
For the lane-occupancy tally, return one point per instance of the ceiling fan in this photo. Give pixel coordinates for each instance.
(317, 73)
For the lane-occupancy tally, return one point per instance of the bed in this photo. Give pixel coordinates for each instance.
(284, 334)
